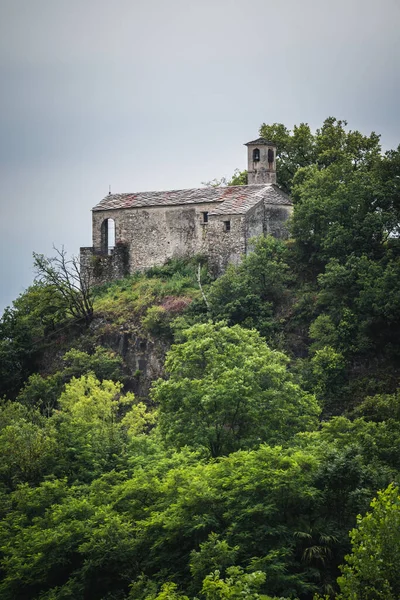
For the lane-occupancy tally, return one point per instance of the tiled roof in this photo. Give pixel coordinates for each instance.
(246, 197)
(260, 142)
(236, 199)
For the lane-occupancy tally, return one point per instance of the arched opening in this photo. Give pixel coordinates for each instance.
(256, 155)
(270, 156)
(107, 235)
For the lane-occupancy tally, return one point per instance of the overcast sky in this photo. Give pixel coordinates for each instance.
(162, 94)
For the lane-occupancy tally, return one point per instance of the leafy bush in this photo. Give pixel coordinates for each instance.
(372, 569)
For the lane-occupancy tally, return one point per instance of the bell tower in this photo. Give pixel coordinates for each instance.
(261, 161)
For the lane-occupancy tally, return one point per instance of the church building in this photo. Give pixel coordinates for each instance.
(135, 231)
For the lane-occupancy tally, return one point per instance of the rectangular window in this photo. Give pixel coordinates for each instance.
(205, 217)
(227, 225)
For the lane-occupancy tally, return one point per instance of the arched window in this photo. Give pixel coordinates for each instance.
(107, 235)
(270, 155)
(256, 155)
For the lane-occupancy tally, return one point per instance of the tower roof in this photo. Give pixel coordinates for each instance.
(260, 142)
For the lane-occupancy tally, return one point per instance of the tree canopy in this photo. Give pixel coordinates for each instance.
(227, 390)
(372, 569)
(272, 428)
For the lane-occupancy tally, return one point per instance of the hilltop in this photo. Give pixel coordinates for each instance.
(202, 437)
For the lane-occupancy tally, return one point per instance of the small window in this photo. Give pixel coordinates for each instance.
(256, 155)
(227, 225)
(270, 156)
(205, 217)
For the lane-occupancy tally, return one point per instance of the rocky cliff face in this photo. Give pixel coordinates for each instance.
(143, 356)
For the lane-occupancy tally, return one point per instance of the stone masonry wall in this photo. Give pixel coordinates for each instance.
(156, 234)
(225, 246)
(146, 237)
(228, 247)
(98, 267)
(254, 225)
(275, 220)
(261, 171)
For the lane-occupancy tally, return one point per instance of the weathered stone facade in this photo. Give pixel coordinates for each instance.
(152, 227)
(104, 266)
(261, 160)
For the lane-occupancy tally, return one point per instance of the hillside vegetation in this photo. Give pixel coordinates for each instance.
(272, 432)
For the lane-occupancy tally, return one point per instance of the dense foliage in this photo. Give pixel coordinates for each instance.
(372, 569)
(270, 435)
(228, 391)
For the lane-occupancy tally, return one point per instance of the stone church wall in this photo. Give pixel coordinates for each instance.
(145, 237)
(254, 225)
(225, 244)
(275, 220)
(155, 234)
(100, 267)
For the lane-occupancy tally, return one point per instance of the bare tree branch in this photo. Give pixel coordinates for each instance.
(67, 277)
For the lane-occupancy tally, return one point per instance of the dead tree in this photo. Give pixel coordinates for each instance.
(68, 278)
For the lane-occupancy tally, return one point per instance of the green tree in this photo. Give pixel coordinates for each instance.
(227, 390)
(359, 305)
(25, 328)
(90, 432)
(382, 407)
(235, 586)
(389, 174)
(337, 213)
(103, 362)
(169, 591)
(294, 150)
(257, 292)
(371, 571)
(213, 554)
(329, 145)
(43, 391)
(329, 378)
(238, 178)
(301, 148)
(92, 539)
(28, 445)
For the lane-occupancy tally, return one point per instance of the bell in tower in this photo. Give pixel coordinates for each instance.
(261, 158)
